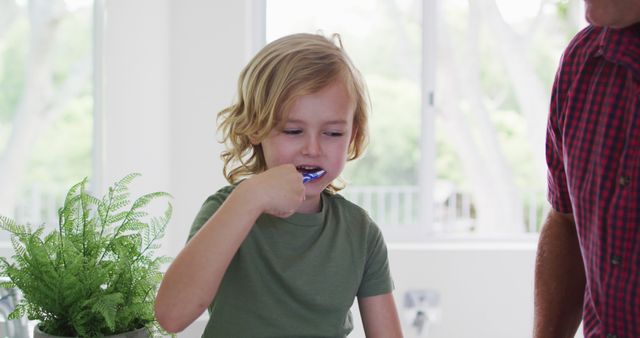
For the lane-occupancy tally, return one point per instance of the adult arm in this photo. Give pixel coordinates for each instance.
(193, 278)
(380, 316)
(559, 279)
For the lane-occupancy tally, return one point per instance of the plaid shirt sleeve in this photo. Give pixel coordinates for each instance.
(558, 193)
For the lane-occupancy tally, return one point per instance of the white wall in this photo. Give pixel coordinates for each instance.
(134, 92)
(207, 54)
(170, 66)
(486, 289)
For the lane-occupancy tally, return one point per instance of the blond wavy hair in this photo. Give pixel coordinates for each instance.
(285, 69)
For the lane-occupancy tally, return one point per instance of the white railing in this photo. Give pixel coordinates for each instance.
(17, 328)
(453, 212)
(387, 205)
(36, 207)
(390, 206)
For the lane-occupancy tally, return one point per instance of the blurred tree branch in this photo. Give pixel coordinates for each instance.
(40, 102)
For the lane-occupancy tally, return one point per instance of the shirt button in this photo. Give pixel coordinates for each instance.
(616, 260)
(624, 180)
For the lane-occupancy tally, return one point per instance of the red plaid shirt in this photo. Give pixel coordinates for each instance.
(593, 155)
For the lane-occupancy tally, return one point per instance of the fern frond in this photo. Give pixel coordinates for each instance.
(8, 224)
(125, 181)
(116, 218)
(120, 202)
(38, 232)
(133, 215)
(156, 229)
(133, 226)
(90, 199)
(18, 312)
(73, 191)
(7, 285)
(18, 246)
(145, 199)
(107, 306)
(71, 199)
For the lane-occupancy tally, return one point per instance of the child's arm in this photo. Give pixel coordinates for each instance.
(380, 316)
(193, 279)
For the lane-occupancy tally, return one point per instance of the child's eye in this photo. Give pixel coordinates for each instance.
(292, 131)
(334, 133)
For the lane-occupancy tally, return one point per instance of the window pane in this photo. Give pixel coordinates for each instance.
(495, 67)
(46, 105)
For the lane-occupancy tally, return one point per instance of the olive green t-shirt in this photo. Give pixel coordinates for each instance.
(298, 276)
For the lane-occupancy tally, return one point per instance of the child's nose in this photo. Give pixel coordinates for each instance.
(311, 146)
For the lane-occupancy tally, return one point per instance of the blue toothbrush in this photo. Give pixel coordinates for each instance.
(308, 177)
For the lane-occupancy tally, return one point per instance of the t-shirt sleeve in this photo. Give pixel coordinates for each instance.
(376, 279)
(558, 193)
(209, 207)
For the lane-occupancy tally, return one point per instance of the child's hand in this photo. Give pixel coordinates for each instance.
(279, 190)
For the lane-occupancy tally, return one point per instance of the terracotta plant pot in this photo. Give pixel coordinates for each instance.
(139, 333)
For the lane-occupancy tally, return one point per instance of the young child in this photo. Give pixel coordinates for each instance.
(269, 255)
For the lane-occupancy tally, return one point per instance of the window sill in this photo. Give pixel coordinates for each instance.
(524, 242)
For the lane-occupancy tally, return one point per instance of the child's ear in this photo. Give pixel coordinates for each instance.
(254, 140)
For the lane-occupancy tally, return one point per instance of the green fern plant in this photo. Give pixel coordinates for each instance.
(96, 275)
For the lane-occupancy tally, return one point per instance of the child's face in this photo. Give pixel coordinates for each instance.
(314, 136)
